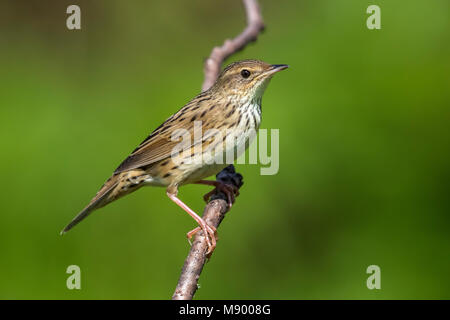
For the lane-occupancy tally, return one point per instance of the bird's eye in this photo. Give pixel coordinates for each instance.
(245, 73)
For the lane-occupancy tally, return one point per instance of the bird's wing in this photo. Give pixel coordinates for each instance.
(159, 144)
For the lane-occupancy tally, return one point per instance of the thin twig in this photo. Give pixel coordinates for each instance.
(216, 209)
(214, 213)
(214, 62)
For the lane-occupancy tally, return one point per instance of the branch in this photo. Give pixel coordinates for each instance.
(214, 213)
(255, 25)
(217, 207)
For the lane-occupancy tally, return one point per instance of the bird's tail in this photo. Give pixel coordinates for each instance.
(102, 198)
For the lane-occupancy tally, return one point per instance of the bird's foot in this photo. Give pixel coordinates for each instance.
(210, 234)
(229, 190)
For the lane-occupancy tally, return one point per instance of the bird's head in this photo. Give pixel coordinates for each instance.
(246, 79)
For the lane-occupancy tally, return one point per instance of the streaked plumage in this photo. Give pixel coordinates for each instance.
(232, 104)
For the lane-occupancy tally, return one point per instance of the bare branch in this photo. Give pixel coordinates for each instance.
(255, 25)
(216, 209)
(214, 213)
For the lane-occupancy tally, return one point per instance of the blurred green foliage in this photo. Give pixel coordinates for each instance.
(364, 150)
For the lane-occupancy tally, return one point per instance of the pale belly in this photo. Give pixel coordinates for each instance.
(230, 150)
(226, 151)
(203, 172)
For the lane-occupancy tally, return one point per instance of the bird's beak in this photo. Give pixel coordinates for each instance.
(276, 68)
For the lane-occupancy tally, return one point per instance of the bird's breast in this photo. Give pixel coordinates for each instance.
(218, 150)
(240, 136)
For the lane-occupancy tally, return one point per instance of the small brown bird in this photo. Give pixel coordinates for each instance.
(232, 106)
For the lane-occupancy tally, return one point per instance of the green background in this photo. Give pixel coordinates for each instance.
(364, 150)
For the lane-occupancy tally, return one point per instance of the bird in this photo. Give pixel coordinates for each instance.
(231, 107)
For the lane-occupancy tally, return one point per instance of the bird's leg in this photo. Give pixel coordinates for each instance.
(230, 190)
(209, 231)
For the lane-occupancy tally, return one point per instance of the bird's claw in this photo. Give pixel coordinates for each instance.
(211, 237)
(229, 190)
